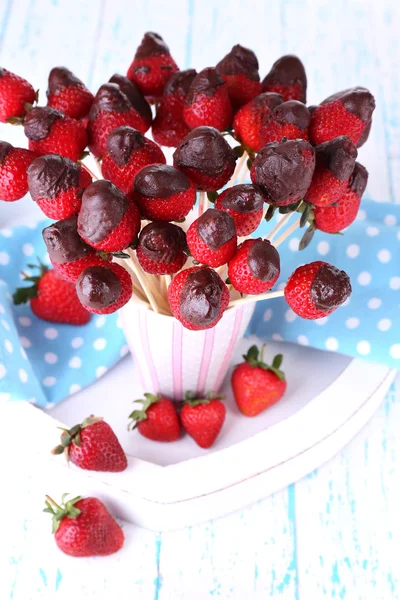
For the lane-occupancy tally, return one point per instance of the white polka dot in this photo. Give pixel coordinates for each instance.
(394, 283)
(363, 347)
(23, 375)
(372, 231)
(277, 337)
(384, 324)
(124, 350)
(100, 371)
(49, 381)
(303, 340)
(8, 346)
(290, 316)
(321, 321)
(7, 233)
(2, 309)
(3, 371)
(118, 323)
(323, 248)
(77, 342)
(25, 321)
(100, 321)
(331, 343)
(268, 314)
(384, 255)
(364, 278)
(25, 342)
(99, 344)
(352, 323)
(75, 387)
(294, 244)
(28, 249)
(390, 220)
(395, 351)
(5, 325)
(353, 250)
(374, 303)
(75, 362)
(4, 258)
(50, 333)
(361, 215)
(51, 358)
(23, 353)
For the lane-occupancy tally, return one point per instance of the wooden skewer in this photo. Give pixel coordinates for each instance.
(248, 299)
(278, 226)
(242, 160)
(142, 280)
(286, 233)
(92, 175)
(203, 203)
(244, 174)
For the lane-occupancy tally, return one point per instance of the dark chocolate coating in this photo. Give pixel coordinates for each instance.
(180, 82)
(109, 98)
(38, 122)
(206, 82)
(50, 175)
(205, 149)
(160, 181)
(293, 112)
(358, 100)
(288, 70)
(311, 108)
(269, 100)
(162, 242)
(243, 198)
(282, 171)
(200, 298)
(2, 72)
(102, 210)
(5, 148)
(122, 142)
(263, 260)
(152, 44)
(338, 156)
(215, 228)
(60, 78)
(133, 94)
(358, 179)
(365, 134)
(239, 61)
(330, 287)
(98, 287)
(63, 242)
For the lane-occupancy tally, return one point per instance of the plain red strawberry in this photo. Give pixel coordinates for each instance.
(206, 158)
(334, 164)
(340, 215)
(68, 94)
(239, 70)
(92, 445)
(49, 131)
(103, 289)
(57, 183)
(84, 527)
(255, 267)
(52, 298)
(161, 248)
(127, 152)
(212, 238)
(252, 116)
(203, 418)
(157, 419)
(245, 204)
(345, 113)
(256, 385)
(207, 101)
(289, 119)
(134, 96)
(317, 289)
(198, 298)
(164, 193)
(287, 77)
(111, 108)
(14, 163)
(15, 93)
(152, 65)
(169, 127)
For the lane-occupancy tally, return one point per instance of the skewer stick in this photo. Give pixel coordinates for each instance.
(286, 233)
(244, 174)
(278, 226)
(142, 280)
(92, 175)
(248, 299)
(242, 161)
(203, 203)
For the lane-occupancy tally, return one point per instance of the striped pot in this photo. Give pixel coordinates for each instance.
(172, 359)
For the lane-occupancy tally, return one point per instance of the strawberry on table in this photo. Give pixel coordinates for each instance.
(161, 248)
(157, 419)
(15, 94)
(239, 70)
(84, 527)
(252, 116)
(255, 267)
(134, 96)
(212, 238)
(14, 163)
(245, 204)
(68, 94)
(256, 385)
(289, 119)
(207, 101)
(103, 289)
(287, 77)
(203, 418)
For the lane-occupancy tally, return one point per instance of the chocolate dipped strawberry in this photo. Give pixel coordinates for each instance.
(239, 70)
(252, 116)
(255, 267)
(134, 96)
(103, 289)
(14, 163)
(207, 101)
(289, 119)
(161, 248)
(67, 93)
(245, 204)
(212, 238)
(287, 77)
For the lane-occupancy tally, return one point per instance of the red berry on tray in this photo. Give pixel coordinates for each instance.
(287, 77)
(239, 70)
(212, 238)
(92, 445)
(127, 152)
(14, 163)
(283, 170)
(15, 93)
(206, 158)
(256, 385)
(169, 127)
(161, 248)
(164, 193)
(289, 119)
(52, 298)
(255, 267)
(317, 289)
(84, 527)
(68, 94)
(345, 113)
(340, 215)
(152, 65)
(203, 418)
(57, 183)
(49, 131)
(134, 96)
(207, 101)
(157, 419)
(252, 116)
(107, 220)
(334, 164)
(103, 289)
(198, 298)
(245, 204)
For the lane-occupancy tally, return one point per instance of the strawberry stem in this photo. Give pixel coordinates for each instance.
(256, 359)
